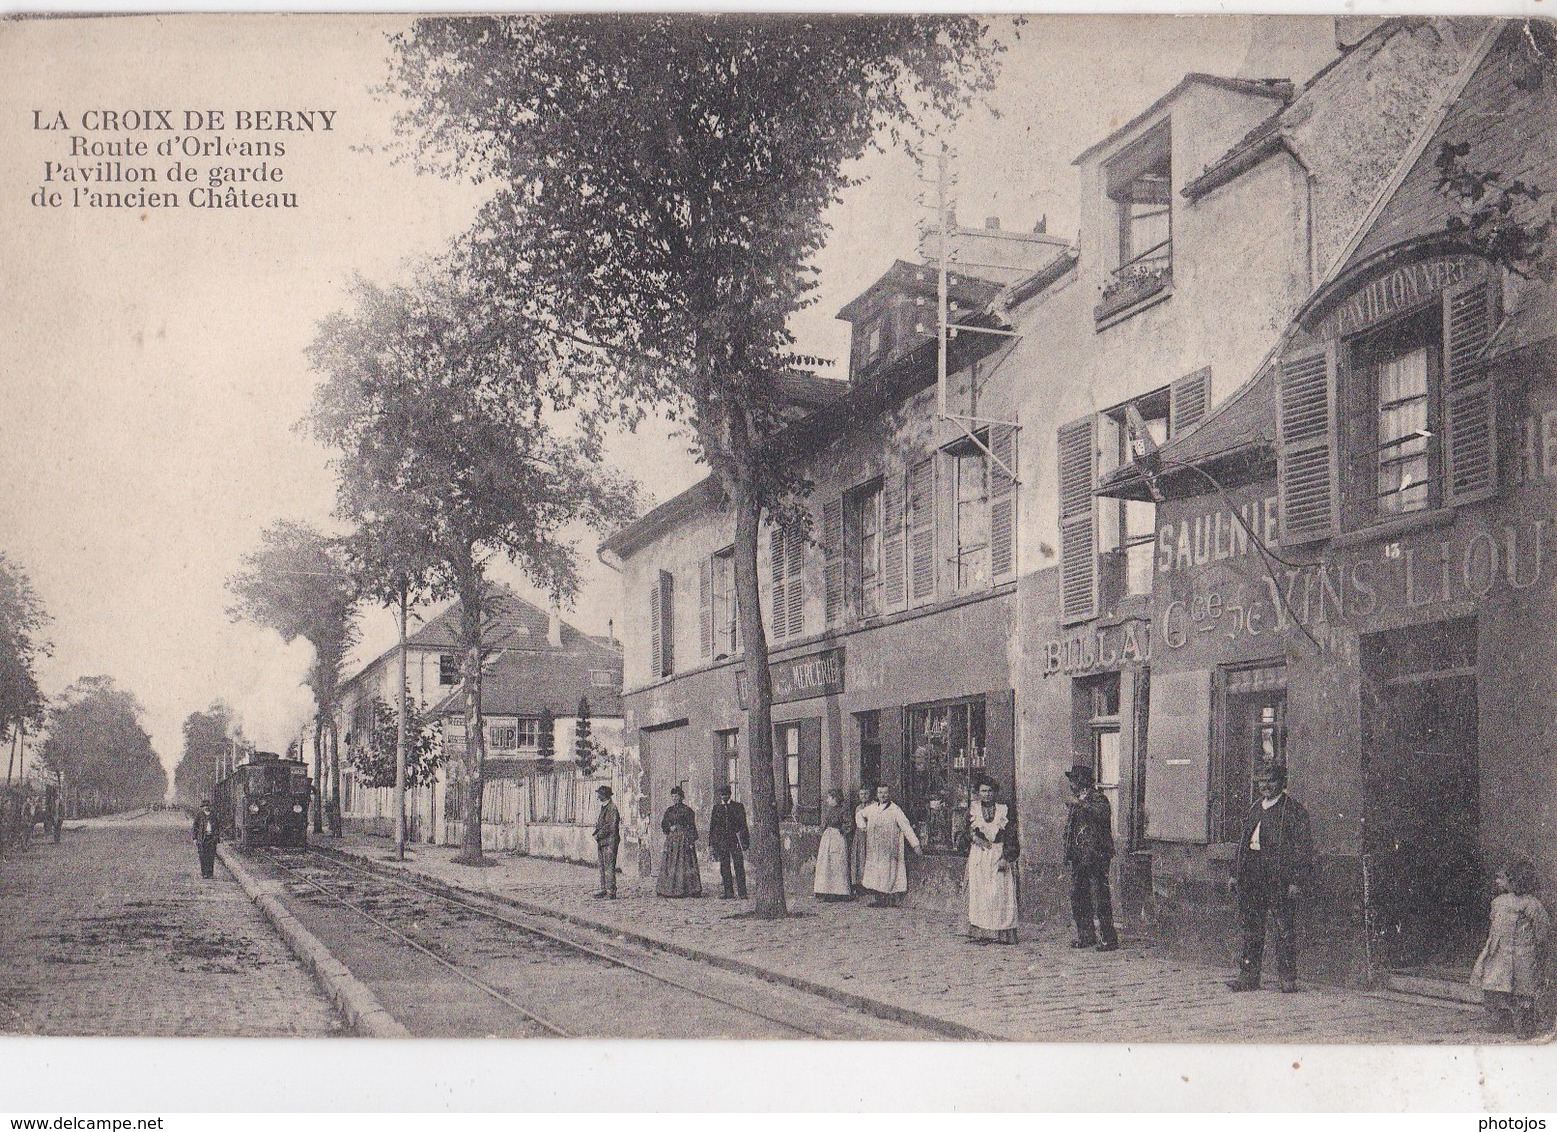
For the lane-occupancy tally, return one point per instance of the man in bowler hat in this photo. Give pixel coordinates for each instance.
(1275, 860)
(728, 837)
(608, 839)
(1089, 847)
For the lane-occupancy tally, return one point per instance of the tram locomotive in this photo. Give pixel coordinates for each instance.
(264, 802)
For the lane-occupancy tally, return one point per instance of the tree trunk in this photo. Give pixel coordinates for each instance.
(474, 760)
(335, 778)
(767, 854)
(400, 740)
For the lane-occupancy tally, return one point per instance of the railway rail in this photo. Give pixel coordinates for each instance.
(358, 890)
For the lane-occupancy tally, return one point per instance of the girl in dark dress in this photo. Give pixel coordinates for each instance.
(680, 874)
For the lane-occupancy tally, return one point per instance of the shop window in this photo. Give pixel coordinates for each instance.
(727, 752)
(1251, 721)
(527, 733)
(719, 626)
(1095, 705)
(946, 754)
(448, 668)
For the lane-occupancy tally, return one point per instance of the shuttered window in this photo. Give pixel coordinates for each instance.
(1078, 519)
(1305, 460)
(1002, 502)
(1189, 397)
(719, 628)
(705, 608)
(1470, 427)
(921, 531)
(786, 596)
(661, 628)
(833, 558)
(894, 556)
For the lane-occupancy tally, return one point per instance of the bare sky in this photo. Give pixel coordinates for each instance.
(151, 363)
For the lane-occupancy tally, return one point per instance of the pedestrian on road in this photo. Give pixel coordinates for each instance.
(1509, 968)
(884, 827)
(608, 839)
(1275, 860)
(1089, 847)
(864, 796)
(992, 854)
(729, 838)
(679, 871)
(832, 854)
(205, 834)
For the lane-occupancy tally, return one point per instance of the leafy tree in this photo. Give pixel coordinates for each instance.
(98, 748)
(547, 741)
(210, 737)
(660, 189)
(374, 761)
(301, 584)
(448, 456)
(584, 749)
(22, 622)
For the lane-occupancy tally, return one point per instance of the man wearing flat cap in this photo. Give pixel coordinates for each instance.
(1089, 847)
(1275, 860)
(608, 838)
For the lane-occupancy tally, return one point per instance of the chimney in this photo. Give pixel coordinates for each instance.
(991, 223)
(1042, 227)
(611, 629)
(554, 628)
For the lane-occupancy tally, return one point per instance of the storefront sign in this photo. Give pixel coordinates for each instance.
(802, 678)
(1105, 648)
(1216, 536)
(1347, 587)
(1400, 290)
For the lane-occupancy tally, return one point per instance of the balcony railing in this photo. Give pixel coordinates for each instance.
(1138, 279)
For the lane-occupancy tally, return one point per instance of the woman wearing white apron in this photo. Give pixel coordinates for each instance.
(992, 852)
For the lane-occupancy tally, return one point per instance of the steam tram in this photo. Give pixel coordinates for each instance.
(264, 802)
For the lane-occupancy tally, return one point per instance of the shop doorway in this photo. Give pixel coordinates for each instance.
(1426, 882)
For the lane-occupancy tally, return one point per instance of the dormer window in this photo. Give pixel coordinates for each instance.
(1139, 184)
(874, 346)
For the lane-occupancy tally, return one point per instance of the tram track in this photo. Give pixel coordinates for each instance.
(722, 1004)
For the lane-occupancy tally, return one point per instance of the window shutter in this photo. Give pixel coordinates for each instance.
(810, 809)
(893, 558)
(667, 624)
(833, 559)
(705, 607)
(1470, 427)
(921, 530)
(656, 643)
(1305, 445)
(796, 546)
(1188, 399)
(1178, 759)
(1078, 519)
(778, 594)
(1002, 502)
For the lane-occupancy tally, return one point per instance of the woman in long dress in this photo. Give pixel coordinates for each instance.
(992, 853)
(680, 874)
(832, 855)
(857, 843)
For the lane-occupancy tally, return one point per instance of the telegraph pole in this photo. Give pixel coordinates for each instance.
(400, 754)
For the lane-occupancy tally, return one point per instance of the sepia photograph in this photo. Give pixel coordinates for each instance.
(875, 528)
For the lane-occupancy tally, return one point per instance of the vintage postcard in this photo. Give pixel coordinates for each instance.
(873, 528)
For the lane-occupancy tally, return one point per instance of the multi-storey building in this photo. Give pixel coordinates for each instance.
(536, 663)
(972, 604)
(1349, 570)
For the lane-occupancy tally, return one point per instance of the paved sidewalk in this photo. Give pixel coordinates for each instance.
(907, 961)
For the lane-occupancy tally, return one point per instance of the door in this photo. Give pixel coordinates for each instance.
(666, 759)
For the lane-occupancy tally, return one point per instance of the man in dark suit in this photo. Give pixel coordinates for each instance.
(205, 835)
(729, 837)
(1275, 861)
(608, 839)
(1089, 847)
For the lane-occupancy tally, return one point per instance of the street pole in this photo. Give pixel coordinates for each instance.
(400, 739)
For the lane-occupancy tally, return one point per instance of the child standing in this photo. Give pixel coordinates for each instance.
(1508, 970)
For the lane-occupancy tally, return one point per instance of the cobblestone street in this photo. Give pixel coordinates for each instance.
(903, 960)
(113, 932)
